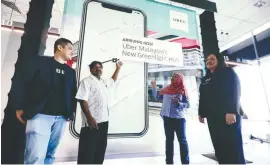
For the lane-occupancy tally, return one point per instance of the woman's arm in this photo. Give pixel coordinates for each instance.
(231, 92)
(181, 101)
(185, 102)
(201, 109)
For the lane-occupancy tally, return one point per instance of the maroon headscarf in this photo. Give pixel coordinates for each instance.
(176, 86)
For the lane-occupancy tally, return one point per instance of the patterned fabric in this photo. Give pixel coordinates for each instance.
(173, 110)
(176, 87)
(95, 92)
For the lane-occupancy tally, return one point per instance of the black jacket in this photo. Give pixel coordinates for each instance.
(220, 93)
(32, 86)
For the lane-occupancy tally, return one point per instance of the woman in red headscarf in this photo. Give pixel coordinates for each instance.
(175, 101)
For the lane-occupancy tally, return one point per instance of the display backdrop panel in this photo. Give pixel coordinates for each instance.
(100, 38)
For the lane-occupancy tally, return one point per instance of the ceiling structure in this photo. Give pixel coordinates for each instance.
(23, 5)
(233, 19)
(237, 17)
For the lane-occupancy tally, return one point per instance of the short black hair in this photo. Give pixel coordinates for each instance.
(94, 63)
(61, 41)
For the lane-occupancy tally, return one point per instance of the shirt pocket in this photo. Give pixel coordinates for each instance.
(94, 91)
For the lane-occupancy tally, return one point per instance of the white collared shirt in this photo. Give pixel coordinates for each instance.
(95, 92)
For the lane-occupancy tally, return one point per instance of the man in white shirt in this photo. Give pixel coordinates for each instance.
(93, 97)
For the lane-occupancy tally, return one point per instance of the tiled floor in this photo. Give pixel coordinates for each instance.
(150, 148)
(195, 159)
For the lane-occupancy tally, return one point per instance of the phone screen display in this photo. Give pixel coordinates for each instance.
(103, 26)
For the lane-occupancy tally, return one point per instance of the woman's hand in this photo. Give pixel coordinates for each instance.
(201, 119)
(175, 100)
(230, 118)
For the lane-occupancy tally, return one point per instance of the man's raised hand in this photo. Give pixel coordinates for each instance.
(119, 64)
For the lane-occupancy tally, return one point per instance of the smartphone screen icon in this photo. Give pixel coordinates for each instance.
(102, 26)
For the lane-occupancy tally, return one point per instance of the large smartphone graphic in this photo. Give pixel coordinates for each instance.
(102, 26)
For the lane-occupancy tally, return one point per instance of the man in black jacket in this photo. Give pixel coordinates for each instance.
(44, 100)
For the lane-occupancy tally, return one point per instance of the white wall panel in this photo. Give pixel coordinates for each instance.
(13, 41)
(4, 42)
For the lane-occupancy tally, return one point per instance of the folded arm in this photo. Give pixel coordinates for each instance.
(184, 102)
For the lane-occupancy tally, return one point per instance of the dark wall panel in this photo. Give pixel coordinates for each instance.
(248, 53)
(208, 33)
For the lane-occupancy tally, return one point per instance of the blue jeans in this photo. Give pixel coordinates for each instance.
(43, 134)
(178, 126)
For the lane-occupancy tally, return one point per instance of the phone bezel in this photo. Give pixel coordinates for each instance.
(78, 69)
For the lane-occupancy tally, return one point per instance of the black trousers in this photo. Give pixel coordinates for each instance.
(93, 144)
(177, 126)
(227, 140)
(12, 140)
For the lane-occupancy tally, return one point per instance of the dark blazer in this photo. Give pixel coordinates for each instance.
(220, 94)
(32, 86)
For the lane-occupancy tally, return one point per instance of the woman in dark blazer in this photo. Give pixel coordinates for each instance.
(220, 104)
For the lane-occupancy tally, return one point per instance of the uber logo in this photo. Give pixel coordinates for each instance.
(179, 21)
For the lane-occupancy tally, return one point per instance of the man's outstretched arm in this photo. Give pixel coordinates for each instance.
(116, 72)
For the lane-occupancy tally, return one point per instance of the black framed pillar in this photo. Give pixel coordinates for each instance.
(209, 33)
(33, 41)
(33, 44)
